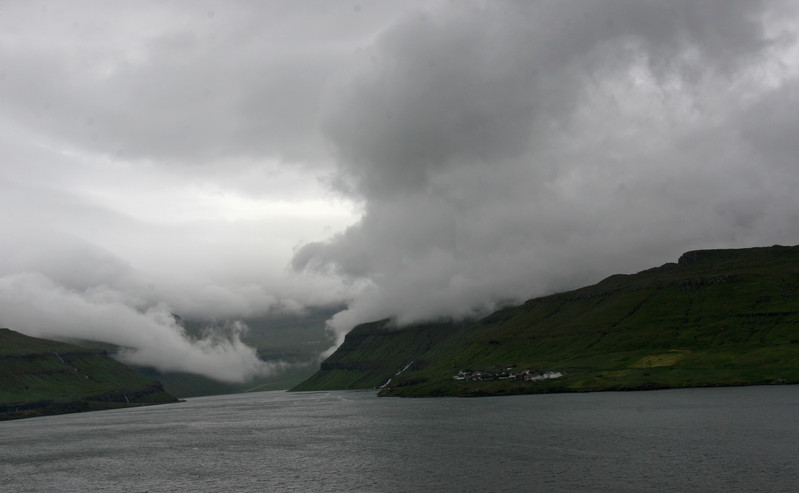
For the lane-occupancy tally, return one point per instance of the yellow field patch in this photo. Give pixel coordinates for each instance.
(615, 373)
(664, 359)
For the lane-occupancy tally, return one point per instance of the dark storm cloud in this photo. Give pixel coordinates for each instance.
(465, 85)
(510, 150)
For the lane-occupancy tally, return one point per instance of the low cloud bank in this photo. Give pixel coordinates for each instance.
(148, 335)
(56, 281)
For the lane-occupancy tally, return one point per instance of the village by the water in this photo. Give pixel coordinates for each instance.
(509, 373)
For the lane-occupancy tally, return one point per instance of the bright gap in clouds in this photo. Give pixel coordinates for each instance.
(152, 194)
(208, 202)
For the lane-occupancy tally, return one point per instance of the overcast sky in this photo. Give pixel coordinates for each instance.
(222, 160)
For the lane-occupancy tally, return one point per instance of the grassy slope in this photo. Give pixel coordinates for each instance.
(40, 376)
(724, 317)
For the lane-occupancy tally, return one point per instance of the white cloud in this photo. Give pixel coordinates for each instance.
(34, 304)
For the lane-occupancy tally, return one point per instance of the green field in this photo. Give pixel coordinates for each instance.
(717, 317)
(40, 376)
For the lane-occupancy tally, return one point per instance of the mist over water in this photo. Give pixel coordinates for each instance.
(723, 439)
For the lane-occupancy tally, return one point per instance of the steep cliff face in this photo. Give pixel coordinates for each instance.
(372, 354)
(716, 317)
(40, 376)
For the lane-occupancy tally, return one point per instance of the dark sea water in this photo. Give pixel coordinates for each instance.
(724, 439)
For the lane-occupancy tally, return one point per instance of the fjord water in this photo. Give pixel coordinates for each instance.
(719, 439)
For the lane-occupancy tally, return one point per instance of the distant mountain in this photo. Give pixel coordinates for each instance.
(40, 377)
(293, 340)
(716, 317)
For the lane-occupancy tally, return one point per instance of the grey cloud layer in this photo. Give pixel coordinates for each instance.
(497, 151)
(533, 146)
(487, 86)
(194, 84)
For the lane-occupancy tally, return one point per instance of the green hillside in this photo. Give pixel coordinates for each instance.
(40, 376)
(717, 317)
(372, 353)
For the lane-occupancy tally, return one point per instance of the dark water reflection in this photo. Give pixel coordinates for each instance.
(726, 439)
